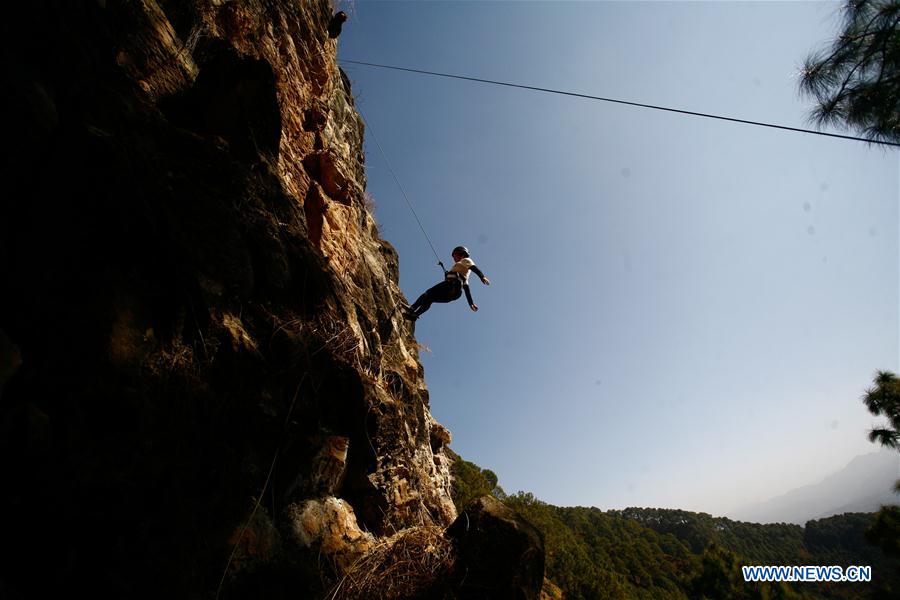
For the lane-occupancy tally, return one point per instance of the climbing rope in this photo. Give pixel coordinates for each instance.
(402, 191)
(613, 100)
(262, 493)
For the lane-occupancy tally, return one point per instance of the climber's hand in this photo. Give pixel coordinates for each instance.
(485, 281)
(474, 307)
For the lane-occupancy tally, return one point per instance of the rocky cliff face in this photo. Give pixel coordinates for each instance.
(210, 365)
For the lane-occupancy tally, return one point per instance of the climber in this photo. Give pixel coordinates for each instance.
(456, 280)
(336, 23)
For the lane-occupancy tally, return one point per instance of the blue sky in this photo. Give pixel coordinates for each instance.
(684, 312)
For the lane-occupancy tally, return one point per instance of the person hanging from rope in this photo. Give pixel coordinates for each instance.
(456, 280)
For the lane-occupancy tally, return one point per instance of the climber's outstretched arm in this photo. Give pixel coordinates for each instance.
(472, 304)
(481, 276)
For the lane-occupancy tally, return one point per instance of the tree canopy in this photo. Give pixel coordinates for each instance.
(856, 81)
(884, 400)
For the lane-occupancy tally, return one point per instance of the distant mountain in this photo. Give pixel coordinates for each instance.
(864, 485)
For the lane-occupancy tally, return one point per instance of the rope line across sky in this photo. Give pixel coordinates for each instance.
(616, 101)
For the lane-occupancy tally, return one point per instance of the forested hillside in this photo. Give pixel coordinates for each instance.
(668, 553)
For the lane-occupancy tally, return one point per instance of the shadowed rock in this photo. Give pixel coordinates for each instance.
(201, 364)
(500, 554)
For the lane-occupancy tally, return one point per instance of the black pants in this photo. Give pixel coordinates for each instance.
(445, 291)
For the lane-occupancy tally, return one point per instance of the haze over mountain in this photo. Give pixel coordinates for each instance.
(864, 485)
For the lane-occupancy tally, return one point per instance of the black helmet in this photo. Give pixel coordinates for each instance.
(462, 250)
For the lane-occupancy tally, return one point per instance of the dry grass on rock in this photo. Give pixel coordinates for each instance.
(407, 564)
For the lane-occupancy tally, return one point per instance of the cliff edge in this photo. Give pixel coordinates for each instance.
(213, 390)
